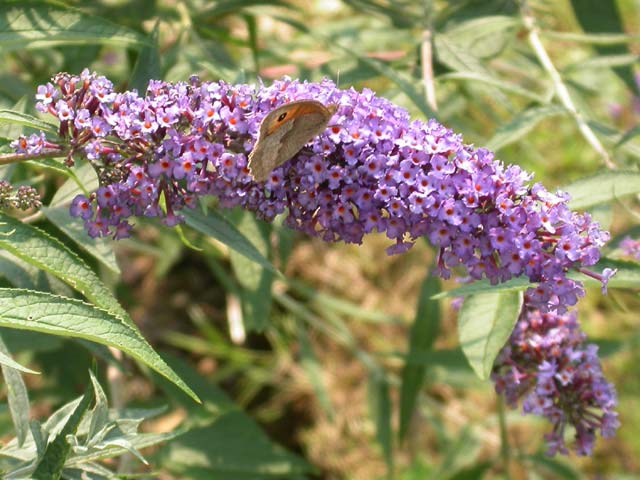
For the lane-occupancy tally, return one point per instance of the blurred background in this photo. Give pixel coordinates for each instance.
(312, 362)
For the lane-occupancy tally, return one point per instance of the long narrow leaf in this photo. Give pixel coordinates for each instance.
(57, 451)
(56, 315)
(218, 227)
(38, 24)
(484, 325)
(423, 333)
(17, 396)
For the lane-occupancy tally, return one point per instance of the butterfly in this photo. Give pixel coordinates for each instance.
(284, 131)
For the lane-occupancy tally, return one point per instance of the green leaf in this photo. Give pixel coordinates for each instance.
(457, 57)
(519, 284)
(11, 117)
(421, 338)
(486, 36)
(56, 315)
(503, 85)
(631, 133)
(255, 280)
(230, 447)
(602, 62)
(82, 180)
(614, 137)
(313, 369)
(400, 17)
(557, 467)
(99, 248)
(57, 451)
(7, 361)
(226, 7)
(17, 395)
(602, 187)
(450, 359)
(226, 443)
(405, 85)
(595, 38)
(43, 24)
(10, 129)
(19, 274)
(596, 16)
(485, 323)
(147, 65)
(100, 413)
(53, 165)
(380, 404)
(522, 124)
(459, 454)
(215, 225)
(473, 472)
(47, 253)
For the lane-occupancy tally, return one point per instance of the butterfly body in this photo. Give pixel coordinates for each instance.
(284, 131)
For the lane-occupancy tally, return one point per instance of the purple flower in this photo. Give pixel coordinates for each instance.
(46, 94)
(547, 365)
(81, 207)
(32, 145)
(631, 247)
(373, 169)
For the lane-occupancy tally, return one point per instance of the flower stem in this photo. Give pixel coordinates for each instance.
(22, 157)
(505, 451)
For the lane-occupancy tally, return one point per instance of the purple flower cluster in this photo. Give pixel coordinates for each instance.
(372, 170)
(547, 364)
(631, 248)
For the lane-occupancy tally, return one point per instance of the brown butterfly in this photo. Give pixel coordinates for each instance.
(284, 131)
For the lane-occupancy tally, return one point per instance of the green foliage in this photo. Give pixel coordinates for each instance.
(334, 353)
(484, 326)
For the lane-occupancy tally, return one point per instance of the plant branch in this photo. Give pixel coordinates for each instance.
(426, 52)
(23, 157)
(427, 70)
(561, 91)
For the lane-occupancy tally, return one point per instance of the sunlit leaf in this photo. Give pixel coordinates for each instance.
(602, 187)
(17, 395)
(522, 124)
(485, 323)
(34, 24)
(55, 455)
(147, 65)
(255, 280)
(215, 225)
(11, 117)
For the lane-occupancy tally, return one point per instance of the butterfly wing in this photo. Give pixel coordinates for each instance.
(284, 131)
(264, 156)
(306, 128)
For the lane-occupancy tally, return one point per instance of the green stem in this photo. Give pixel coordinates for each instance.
(561, 90)
(505, 451)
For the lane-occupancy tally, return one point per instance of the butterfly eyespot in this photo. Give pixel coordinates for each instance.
(282, 116)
